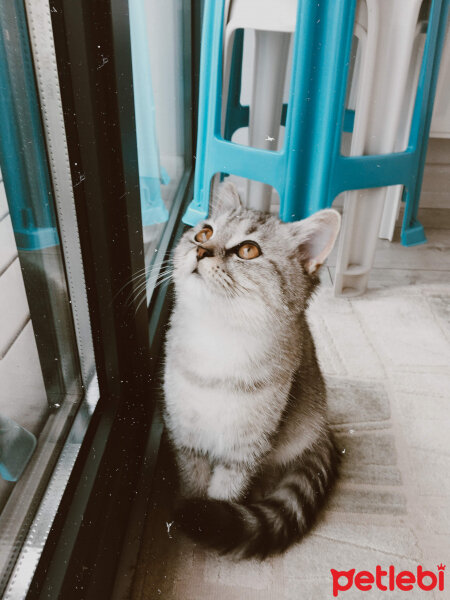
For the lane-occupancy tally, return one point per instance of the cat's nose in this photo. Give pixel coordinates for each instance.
(203, 252)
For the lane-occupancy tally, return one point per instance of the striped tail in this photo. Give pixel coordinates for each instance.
(271, 525)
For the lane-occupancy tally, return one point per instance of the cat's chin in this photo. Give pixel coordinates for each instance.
(198, 276)
(199, 286)
(194, 281)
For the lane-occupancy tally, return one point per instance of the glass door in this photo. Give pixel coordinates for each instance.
(46, 353)
(96, 153)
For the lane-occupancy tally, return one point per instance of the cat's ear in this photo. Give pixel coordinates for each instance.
(315, 237)
(225, 199)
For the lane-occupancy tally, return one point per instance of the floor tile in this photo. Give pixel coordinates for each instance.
(403, 333)
(368, 501)
(431, 471)
(352, 401)
(368, 447)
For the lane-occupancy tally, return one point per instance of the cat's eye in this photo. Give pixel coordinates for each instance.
(248, 250)
(204, 234)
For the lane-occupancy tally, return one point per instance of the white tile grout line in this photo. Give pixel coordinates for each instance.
(8, 265)
(11, 343)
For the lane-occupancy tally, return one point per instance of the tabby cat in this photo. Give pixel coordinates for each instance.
(245, 401)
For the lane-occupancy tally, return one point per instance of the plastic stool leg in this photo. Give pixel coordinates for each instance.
(414, 234)
(412, 231)
(394, 194)
(315, 116)
(271, 55)
(390, 39)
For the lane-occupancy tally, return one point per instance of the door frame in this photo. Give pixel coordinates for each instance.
(84, 550)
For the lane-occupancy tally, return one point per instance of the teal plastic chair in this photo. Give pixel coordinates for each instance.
(309, 171)
(237, 115)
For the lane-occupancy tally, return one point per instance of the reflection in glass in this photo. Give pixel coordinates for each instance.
(160, 44)
(39, 371)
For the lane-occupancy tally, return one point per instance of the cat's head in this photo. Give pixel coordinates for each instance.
(237, 253)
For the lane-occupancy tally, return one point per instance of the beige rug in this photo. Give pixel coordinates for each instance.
(386, 357)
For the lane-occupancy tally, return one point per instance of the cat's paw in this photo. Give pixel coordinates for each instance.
(227, 484)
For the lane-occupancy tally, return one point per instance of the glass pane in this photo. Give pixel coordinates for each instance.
(39, 365)
(160, 38)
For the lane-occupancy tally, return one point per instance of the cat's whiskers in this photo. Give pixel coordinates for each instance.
(145, 272)
(163, 281)
(150, 280)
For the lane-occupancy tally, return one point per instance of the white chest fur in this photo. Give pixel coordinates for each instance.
(220, 344)
(207, 361)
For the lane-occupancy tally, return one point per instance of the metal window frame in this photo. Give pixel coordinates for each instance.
(30, 191)
(84, 550)
(99, 118)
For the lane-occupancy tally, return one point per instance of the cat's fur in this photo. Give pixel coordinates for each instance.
(245, 401)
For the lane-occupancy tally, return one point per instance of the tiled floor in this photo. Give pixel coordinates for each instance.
(386, 357)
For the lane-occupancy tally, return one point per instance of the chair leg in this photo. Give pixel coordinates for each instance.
(271, 51)
(412, 231)
(394, 194)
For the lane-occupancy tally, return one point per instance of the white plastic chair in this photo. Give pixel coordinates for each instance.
(273, 22)
(393, 195)
(391, 30)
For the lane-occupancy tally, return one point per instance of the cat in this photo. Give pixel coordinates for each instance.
(244, 397)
